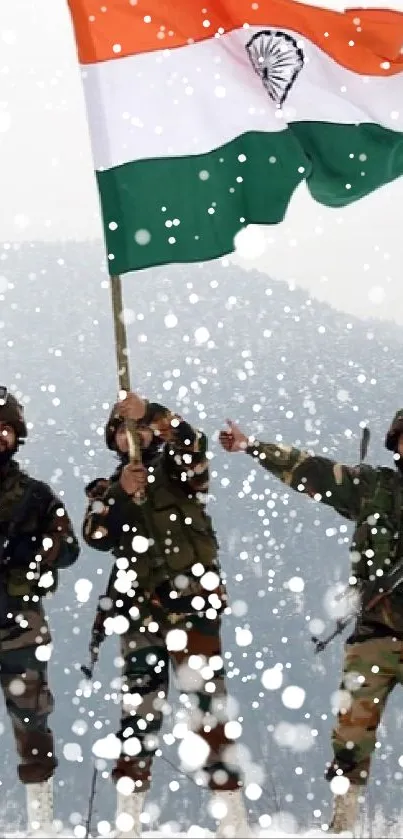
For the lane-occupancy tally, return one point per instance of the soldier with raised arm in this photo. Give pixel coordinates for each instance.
(372, 497)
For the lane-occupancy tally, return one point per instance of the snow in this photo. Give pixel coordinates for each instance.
(142, 237)
(170, 321)
(107, 747)
(105, 830)
(16, 687)
(296, 585)
(192, 752)
(140, 544)
(272, 678)
(44, 652)
(72, 752)
(83, 588)
(210, 580)
(119, 624)
(339, 785)
(298, 737)
(293, 697)
(176, 639)
(243, 637)
(201, 335)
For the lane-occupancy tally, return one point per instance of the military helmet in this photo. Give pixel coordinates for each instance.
(153, 411)
(11, 412)
(394, 431)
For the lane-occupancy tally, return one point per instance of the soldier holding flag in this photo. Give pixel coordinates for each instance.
(167, 584)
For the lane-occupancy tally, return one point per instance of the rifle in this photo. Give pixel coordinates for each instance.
(372, 596)
(98, 630)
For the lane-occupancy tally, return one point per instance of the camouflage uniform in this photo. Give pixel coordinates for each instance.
(43, 542)
(373, 661)
(164, 588)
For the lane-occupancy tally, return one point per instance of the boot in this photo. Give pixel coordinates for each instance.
(345, 810)
(40, 808)
(233, 824)
(129, 810)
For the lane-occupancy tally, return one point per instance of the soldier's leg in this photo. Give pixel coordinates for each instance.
(29, 702)
(145, 688)
(369, 674)
(200, 673)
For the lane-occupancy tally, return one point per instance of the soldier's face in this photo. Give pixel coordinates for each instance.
(122, 443)
(400, 445)
(8, 437)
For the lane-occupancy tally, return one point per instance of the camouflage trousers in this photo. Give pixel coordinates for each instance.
(371, 670)
(23, 679)
(197, 662)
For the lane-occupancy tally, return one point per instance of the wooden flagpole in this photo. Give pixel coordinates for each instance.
(122, 359)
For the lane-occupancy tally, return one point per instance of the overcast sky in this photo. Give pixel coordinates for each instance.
(352, 258)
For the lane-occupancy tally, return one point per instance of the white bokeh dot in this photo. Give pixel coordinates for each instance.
(296, 585)
(293, 697)
(272, 678)
(142, 237)
(339, 785)
(140, 544)
(201, 335)
(170, 321)
(176, 639)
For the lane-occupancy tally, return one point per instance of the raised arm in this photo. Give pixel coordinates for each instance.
(323, 479)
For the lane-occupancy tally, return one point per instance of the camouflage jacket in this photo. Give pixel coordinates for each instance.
(41, 543)
(160, 542)
(371, 497)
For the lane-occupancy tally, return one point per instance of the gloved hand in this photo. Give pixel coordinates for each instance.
(232, 439)
(133, 479)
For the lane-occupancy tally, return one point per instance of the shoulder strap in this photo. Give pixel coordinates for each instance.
(391, 481)
(21, 509)
(368, 482)
(19, 512)
(398, 510)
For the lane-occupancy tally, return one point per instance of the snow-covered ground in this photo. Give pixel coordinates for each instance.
(193, 833)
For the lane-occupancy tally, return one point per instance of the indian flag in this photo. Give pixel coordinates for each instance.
(205, 115)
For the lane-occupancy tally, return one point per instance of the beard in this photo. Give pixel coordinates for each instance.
(398, 462)
(151, 453)
(6, 455)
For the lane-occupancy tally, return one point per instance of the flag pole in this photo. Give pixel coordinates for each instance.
(122, 360)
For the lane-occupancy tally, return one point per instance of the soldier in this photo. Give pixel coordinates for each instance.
(373, 661)
(36, 539)
(167, 583)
